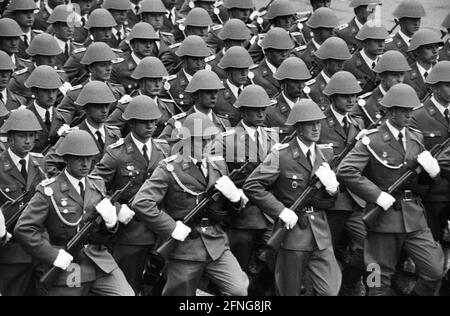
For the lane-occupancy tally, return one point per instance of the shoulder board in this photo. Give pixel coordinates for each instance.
(36, 155)
(210, 58)
(118, 60)
(217, 27)
(94, 177)
(79, 50)
(77, 44)
(418, 108)
(310, 82)
(112, 127)
(372, 131)
(415, 130)
(179, 116)
(253, 67)
(167, 100)
(175, 45)
(222, 116)
(21, 71)
(116, 50)
(303, 19)
(269, 129)
(170, 78)
(296, 34)
(47, 182)
(125, 99)
(388, 40)
(161, 141)
(170, 159)
(251, 26)
(279, 146)
(342, 26)
(120, 142)
(228, 133)
(325, 146)
(300, 48)
(216, 158)
(273, 102)
(365, 95)
(77, 87)
(166, 33)
(38, 31)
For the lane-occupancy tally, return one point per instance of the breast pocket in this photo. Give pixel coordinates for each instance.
(432, 138)
(294, 181)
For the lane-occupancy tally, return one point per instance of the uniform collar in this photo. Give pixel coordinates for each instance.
(41, 111)
(16, 159)
(49, 10)
(14, 59)
(94, 130)
(383, 92)
(325, 76)
(317, 45)
(4, 93)
(140, 145)
(369, 61)
(75, 182)
(251, 130)
(305, 149)
(233, 88)
(271, 67)
(288, 101)
(405, 38)
(210, 114)
(188, 76)
(440, 107)
(395, 131)
(136, 59)
(358, 24)
(61, 43)
(423, 70)
(339, 116)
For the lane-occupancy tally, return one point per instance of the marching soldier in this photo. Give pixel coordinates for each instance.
(8, 99)
(233, 33)
(142, 39)
(292, 76)
(377, 161)
(94, 99)
(41, 18)
(425, 51)
(339, 129)
(119, 10)
(250, 142)
(22, 11)
(59, 209)
(363, 10)
(277, 46)
(63, 33)
(149, 74)
(433, 119)
(86, 7)
(236, 63)
(171, 16)
(197, 22)
(409, 14)
(277, 183)
(363, 62)
(139, 153)
(192, 52)
(391, 69)
(179, 183)
(100, 26)
(445, 51)
(44, 83)
(204, 89)
(332, 54)
(21, 172)
(10, 33)
(207, 5)
(132, 16)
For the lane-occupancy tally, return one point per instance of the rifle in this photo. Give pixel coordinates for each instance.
(211, 195)
(302, 201)
(371, 217)
(397, 23)
(9, 204)
(50, 277)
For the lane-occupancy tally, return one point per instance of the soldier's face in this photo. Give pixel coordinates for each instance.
(442, 92)
(344, 103)
(374, 47)
(238, 76)
(194, 64)
(5, 76)
(277, 56)
(390, 79)
(428, 53)
(24, 18)
(63, 31)
(316, 4)
(196, 30)
(102, 34)
(241, 14)
(206, 98)
(154, 19)
(119, 15)
(21, 143)
(78, 167)
(10, 45)
(254, 116)
(333, 66)
(401, 117)
(45, 97)
(143, 47)
(86, 6)
(293, 88)
(143, 130)
(285, 22)
(199, 147)
(98, 113)
(410, 25)
(41, 60)
(101, 71)
(309, 132)
(152, 86)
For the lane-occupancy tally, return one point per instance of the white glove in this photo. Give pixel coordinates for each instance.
(2, 226)
(228, 189)
(65, 87)
(63, 260)
(385, 201)
(107, 212)
(125, 99)
(362, 134)
(289, 218)
(429, 164)
(63, 130)
(328, 178)
(125, 215)
(181, 232)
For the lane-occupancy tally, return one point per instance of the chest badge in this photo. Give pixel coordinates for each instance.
(48, 191)
(64, 202)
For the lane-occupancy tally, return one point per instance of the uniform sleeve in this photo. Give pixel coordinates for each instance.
(115, 118)
(444, 162)
(30, 229)
(166, 134)
(350, 173)
(67, 109)
(72, 68)
(257, 186)
(54, 163)
(148, 201)
(107, 168)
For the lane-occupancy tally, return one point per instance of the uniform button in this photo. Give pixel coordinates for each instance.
(7, 190)
(66, 212)
(312, 217)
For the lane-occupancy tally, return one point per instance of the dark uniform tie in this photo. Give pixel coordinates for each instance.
(119, 36)
(81, 185)
(25, 41)
(66, 50)
(258, 146)
(346, 125)
(23, 169)
(239, 91)
(199, 166)
(447, 115)
(400, 140)
(425, 75)
(373, 65)
(100, 139)
(47, 121)
(145, 154)
(308, 157)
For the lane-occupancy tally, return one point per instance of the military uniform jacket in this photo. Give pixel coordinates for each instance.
(277, 115)
(168, 26)
(334, 134)
(370, 169)
(397, 43)
(42, 136)
(162, 201)
(225, 105)
(311, 61)
(13, 185)
(371, 112)
(171, 61)
(119, 160)
(40, 20)
(177, 90)
(54, 163)
(238, 148)
(214, 64)
(132, 18)
(122, 71)
(317, 94)
(348, 33)
(264, 78)
(444, 54)
(171, 130)
(277, 183)
(62, 58)
(22, 46)
(58, 209)
(415, 80)
(13, 102)
(359, 68)
(436, 130)
(80, 34)
(303, 28)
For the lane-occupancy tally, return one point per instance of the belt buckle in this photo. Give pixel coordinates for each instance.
(204, 223)
(408, 195)
(309, 210)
